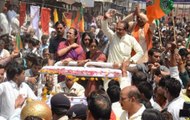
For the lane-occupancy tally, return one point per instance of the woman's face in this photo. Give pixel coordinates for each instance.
(71, 35)
(93, 47)
(86, 41)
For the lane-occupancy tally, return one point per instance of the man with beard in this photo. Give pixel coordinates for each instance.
(54, 42)
(121, 44)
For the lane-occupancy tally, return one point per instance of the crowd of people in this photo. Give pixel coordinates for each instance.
(154, 61)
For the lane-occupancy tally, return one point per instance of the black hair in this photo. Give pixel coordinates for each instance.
(87, 34)
(172, 85)
(183, 52)
(99, 105)
(146, 88)
(126, 25)
(138, 77)
(38, 61)
(152, 114)
(59, 22)
(34, 42)
(152, 50)
(95, 41)
(113, 83)
(33, 118)
(14, 68)
(114, 93)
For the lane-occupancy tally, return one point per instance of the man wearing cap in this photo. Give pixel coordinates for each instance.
(60, 104)
(142, 30)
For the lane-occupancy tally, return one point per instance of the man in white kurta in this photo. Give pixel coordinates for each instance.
(121, 44)
(9, 91)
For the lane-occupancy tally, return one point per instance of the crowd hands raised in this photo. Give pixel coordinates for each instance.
(154, 84)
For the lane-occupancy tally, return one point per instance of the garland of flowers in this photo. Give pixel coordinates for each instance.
(81, 71)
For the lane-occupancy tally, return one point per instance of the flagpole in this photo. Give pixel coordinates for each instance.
(174, 26)
(160, 36)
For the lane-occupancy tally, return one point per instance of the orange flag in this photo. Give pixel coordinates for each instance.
(81, 21)
(78, 20)
(19, 44)
(55, 15)
(158, 8)
(67, 18)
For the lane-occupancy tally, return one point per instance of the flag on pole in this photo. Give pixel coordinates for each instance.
(55, 15)
(158, 8)
(45, 19)
(67, 18)
(19, 44)
(22, 15)
(78, 20)
(81, 20)
(74, 20)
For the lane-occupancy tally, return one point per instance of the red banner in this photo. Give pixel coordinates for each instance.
(22, 13)
(45, 19)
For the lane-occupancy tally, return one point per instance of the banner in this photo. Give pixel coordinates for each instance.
(34, 18)
(22, 13)
(45, 19)
(34, 15)
(158, 8)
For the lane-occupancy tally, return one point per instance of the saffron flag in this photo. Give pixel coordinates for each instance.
(67, 17)
(19, 44)
(55, 15)
(45, 19)
(22, 13)
(158, 8)
(78, 20)
(81, 21)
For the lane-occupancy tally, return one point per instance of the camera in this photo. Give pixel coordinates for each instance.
(185, 112)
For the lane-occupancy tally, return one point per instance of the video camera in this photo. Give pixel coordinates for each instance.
(185, 112)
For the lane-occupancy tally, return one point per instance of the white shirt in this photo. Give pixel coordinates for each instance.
(174, 73)
(2, 118)
(120, 48)
(9, 91)
(4, 24)
(136, 116)
(4, 53)
(117, 109)
(16, 115)
(175, 106)
(76, 89)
